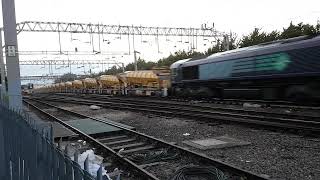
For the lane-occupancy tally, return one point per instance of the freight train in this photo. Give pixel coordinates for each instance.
(284, 69)
(154, 82)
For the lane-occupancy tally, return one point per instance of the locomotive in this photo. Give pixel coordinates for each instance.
(284, 69)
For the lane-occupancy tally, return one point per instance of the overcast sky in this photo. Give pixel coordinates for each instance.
(239, 16)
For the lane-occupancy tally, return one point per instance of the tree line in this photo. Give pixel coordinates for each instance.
(257, 36)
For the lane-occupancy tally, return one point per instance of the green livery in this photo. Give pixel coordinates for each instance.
(223, 69)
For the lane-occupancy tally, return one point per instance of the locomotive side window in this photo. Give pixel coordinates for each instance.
(191, 72)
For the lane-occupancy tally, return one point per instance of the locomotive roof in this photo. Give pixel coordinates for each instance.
(177, 63)
(260, 49)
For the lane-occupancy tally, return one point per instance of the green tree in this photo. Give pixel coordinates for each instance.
(274, 35)
(177, 56)
(142, 65)
(66, 77)
(113, 70)
(215, 49)
(257, 37)
(299, 30)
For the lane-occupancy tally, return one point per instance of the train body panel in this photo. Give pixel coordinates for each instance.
(292, 63)
(275, 59)
(274, 67)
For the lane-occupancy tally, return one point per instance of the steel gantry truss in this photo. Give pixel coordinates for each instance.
(68, 27)
(67, 62)
(44, 77)
(72, 53)
(37, 26)
(38, 78)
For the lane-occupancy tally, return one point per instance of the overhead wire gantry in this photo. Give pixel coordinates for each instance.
(100, 29)
(38, 26)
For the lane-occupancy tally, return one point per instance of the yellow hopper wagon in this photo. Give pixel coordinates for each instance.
(77, 86)
(62, 87)
(143, 83)
(90, 85)
(55, 88)
(68, 86)
(109, 84)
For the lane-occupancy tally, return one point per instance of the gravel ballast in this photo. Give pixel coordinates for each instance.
(275, 154)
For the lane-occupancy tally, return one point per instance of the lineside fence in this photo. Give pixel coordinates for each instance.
(27, 152)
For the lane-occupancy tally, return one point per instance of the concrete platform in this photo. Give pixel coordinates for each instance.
(90, 126)
(215, 143)
(61, 131)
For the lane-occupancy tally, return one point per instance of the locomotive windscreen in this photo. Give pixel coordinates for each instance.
(191, 72)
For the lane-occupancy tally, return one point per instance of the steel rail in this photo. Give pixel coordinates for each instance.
(135, 168)
(310, 125)
(238, 110)
(269, 103)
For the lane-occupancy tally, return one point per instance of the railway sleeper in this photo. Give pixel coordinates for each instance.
(129, 146)
(143, 148)
(113, 138)
(120, 142)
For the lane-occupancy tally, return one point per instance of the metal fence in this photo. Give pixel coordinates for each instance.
(27, 152)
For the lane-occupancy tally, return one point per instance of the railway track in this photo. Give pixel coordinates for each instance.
(307, 123)
(199, 106)
(263, 103)
(139, 155)
(267, 103)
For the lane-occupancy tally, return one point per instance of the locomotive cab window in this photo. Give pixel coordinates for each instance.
(174, 72)
(191, 72)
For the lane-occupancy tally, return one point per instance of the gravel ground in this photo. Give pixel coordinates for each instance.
(283, 110)
(275, 154)
(279, 110)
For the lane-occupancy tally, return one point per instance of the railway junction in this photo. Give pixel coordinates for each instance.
(266, 142)
(232, 113)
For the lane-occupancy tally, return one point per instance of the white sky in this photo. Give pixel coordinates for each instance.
(239, 16)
